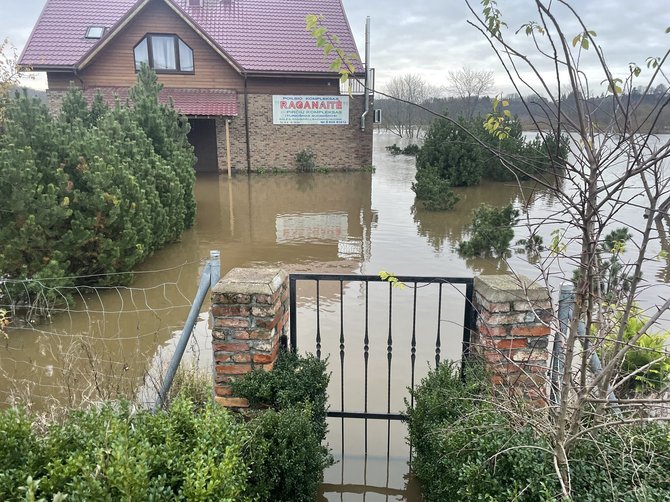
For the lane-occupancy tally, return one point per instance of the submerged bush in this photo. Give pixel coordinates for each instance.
(92, 191)
(463, 153)
(467, 448)
(412, 149)
(305, 161)
(491, 231)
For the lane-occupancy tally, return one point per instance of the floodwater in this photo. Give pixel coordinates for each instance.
(115, 341)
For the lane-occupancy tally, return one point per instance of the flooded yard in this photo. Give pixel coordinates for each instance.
(113, 340)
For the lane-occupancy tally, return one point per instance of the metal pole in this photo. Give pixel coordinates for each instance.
(215, 272)
(367, 73)
(565, 301)
(212, 268)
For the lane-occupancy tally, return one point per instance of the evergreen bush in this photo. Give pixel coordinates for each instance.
(466, 447)
(288, 427)
(91, 191)
(464, 154)
(491, 231)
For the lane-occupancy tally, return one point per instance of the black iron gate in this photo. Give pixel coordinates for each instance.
(437, 338)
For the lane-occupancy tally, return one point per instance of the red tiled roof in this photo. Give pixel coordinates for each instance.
(58, 37)
(260, 35)
(197, 102)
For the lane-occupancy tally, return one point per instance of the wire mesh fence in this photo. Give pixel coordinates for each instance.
(72, 346)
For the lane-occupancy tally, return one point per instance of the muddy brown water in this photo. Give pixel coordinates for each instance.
(115, 340)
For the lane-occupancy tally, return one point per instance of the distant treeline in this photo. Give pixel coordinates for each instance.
(601, 110)
(31, 93)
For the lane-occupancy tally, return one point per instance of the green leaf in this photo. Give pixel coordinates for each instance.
(585, 43)
(667, 30)
(575, 40)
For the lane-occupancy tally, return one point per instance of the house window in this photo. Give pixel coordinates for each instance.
(164, 53)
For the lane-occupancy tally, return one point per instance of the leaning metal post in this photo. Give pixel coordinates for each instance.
(210, 276)
(565, 301)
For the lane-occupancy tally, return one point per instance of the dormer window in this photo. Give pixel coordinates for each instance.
(95, 31)
(164, 53)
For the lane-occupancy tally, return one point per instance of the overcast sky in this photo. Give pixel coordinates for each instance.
(431, 37)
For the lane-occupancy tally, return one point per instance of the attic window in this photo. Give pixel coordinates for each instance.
(164, 53)
(95, 31)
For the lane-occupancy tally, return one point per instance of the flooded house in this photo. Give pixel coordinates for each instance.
(248, 75)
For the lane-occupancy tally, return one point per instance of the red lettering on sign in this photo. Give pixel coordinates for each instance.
(282, 105)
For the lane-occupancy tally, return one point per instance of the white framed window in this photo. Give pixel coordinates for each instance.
(164, 53)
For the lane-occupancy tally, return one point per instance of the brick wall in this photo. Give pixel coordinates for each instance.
(512, 335)
(55, 100)
(276, 146)
(249, 318)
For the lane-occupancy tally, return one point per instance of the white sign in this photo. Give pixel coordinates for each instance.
(315, 110)
(311, 227)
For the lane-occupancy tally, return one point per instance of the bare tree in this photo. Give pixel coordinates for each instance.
(613, 165)
(469, 85)
(10, 73)
(401, 117)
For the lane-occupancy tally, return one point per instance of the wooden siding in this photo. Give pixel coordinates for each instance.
(115, 64)
(293, 85)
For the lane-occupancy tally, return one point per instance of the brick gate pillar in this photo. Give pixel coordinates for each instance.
(249, 317)
(512, 333)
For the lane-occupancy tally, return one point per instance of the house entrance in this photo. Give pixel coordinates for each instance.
(203, 138)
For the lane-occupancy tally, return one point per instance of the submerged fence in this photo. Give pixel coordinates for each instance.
(110, 342)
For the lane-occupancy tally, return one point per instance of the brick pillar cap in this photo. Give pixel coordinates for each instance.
(252, 281)
(509, 288)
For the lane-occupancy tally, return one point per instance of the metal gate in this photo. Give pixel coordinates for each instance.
(373, 336)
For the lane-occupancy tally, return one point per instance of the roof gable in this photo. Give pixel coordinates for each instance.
(257, 36)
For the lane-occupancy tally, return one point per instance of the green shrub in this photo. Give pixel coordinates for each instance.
(412, 149)
(295, 381)
(464, 153)
(116, 453)
(435, 193)
(452, 154)
(305, 161)
(288, 427)
(467, 448)
(285, 455)
(100, 189)
(491, 231)
(193, 450)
